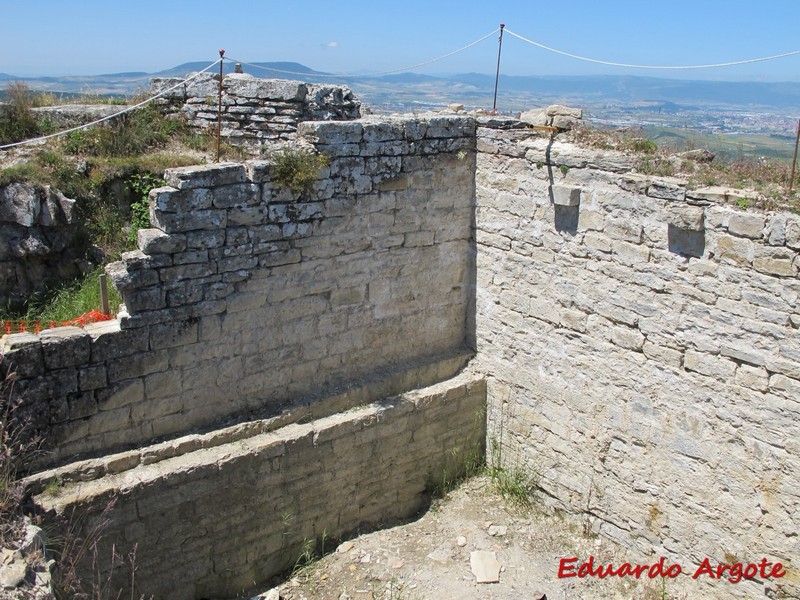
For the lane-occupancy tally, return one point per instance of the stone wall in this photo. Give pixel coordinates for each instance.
(248, 298)
(256, 111)
(210, 520)
(640, 342)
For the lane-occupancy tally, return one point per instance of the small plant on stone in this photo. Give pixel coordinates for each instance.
(298, 168)
(564, 169)
(141, 185)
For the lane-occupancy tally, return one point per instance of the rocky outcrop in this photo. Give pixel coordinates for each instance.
(40, 244)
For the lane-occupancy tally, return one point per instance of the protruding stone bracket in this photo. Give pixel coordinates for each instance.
(566, 195)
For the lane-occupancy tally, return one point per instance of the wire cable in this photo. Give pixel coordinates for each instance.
(630, 66)
(401, 70)
(109, 117)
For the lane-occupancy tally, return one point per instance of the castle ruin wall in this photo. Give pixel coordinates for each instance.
(640, 344)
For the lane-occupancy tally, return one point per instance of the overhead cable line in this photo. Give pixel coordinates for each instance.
(631, 66)
(117, 114)
(401, 70)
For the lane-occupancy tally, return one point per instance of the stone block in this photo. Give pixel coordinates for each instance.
(155, 241)
(735, 250)
(170, 335)
(684, 216)
(205, 176)
(566, 195)
(170, 200)
(92, 377)
(65, 347)
(747, 225)
(623, 229)
(779, 261)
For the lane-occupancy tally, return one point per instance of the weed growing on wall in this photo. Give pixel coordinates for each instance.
(141, 185)
(298, 168)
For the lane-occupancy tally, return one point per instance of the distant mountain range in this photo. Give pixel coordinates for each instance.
(472, 88)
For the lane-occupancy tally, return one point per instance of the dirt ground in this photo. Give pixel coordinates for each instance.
(429, 558)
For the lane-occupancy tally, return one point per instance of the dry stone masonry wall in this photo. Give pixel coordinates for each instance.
(640, 341)
(208, 521)
(247, 297)
(256, 111)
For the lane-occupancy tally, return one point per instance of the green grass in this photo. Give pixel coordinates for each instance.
(726, 147)
(70, 301)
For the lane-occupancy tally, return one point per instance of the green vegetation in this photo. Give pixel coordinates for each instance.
(17, 119)
(108, 169)
(71, 301)
(141, 185)
(516, 484)
(298, 168)
(761, 163)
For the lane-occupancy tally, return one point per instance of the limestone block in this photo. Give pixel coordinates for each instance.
(630, 254)
(92, 377)
(65, 347)
(332, 133)
(735, 250)
(707, 364)
(205, 176)
(667, 189)
(623, 229)
(205, 239)
(566, 195)
(236, 195)
(685, 216)
(792, 235)
(755, 378)
(183, 222)
(155, 241)
(747, 225)
(536, 116)
(776, 261)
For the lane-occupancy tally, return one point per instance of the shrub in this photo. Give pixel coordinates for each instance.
(298, 168)
(17, 120)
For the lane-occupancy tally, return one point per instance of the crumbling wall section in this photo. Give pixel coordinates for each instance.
(248, 298)
(640, 341)
(256, 111)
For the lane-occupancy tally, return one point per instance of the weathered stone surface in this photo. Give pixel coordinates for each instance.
(566, 195)
(747, 225)
(687, 217)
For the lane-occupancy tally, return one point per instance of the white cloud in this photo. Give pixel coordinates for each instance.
(332, 45)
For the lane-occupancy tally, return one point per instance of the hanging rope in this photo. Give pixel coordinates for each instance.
(109, 117)
(391, 72)
(631, 66)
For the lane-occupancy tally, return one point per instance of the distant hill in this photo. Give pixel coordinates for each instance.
(263, 70)
(415, 88)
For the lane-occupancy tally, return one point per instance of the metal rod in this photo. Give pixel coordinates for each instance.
(497, 76)
(794, 160)
(219, 106)
(104, 294)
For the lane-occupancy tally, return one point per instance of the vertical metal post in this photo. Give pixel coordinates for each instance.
(104, 294)
(497, 76)
(219, 106)
(794, 160)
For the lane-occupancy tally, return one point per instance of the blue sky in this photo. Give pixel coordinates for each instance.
(55, 37)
